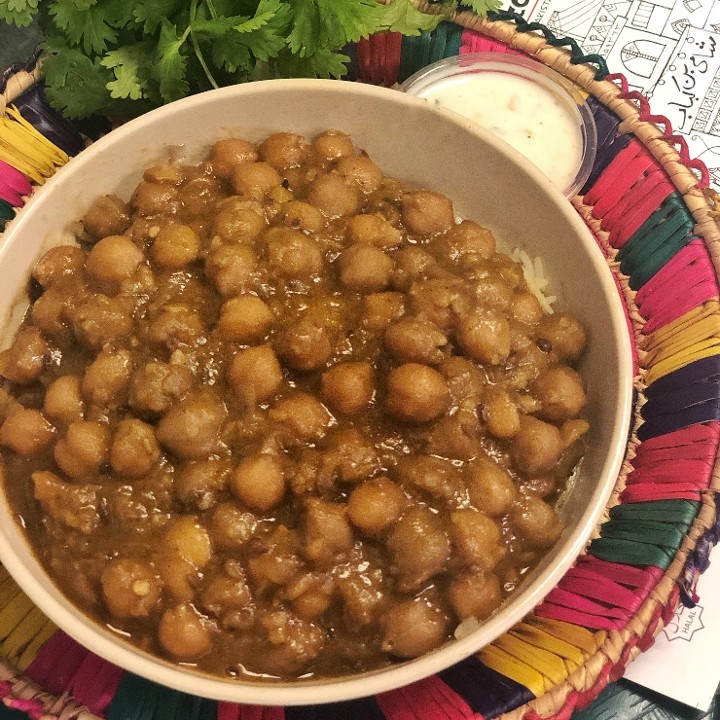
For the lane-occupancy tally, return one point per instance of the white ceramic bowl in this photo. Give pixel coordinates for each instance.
(487, 180)
(527, 104)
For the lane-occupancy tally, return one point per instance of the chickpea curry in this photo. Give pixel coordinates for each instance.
(281, 415)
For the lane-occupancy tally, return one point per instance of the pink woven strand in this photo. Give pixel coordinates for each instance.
(563, 597)
(429, 699)
(635, 210)
(56, 663)
(697, 470)
(695, 441)
(642, 579)
(693, 259)
(684, 303)
(645, 492)
(472, 41)
(577, 617)
(594, 585)
(95, 683)
(607, 178)
(378, 58)
(14, 186)
(624, 176)
(231, 711)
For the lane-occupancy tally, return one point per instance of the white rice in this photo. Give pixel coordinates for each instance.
(534, 273)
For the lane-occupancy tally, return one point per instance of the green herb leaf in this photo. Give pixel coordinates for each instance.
(129, 65)
(89, 24)
(75, 84)
(171, 62)
(150, 13)
(482, 7)
(18, 12)
(402, 16)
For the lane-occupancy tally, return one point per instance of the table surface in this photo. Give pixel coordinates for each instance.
(626, 35)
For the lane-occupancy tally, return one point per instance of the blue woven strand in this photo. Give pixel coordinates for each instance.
(362, 709)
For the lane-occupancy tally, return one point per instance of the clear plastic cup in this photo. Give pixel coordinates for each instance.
(528, 105)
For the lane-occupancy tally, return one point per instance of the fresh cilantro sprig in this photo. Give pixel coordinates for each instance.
(123, 57)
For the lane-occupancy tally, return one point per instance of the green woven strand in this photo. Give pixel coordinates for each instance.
(419, 51)
(660, 237)
(577, 56)
(652, 532)
(7, 212)
(630, 552)
(681, 513)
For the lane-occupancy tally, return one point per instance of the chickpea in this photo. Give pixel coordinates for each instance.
(176, 326)
(83, 450)
(536, 521)
(199, 483)
(380, 309)
(301, 215)
(304, 345)
(364, 268)
(222, 594)
(327, 534)
(476, 538)
(465, 241)
(186, 538)
(254, 180)
(58, 262)
(64, 401)
(191, 428)
(376, 505)
(231, 526)
(311, 595)
(259, 482)
(303, 414)
(26, 431)
(560, 392)
(413, 628)
(490, 486)
(184, 633)
(228, 153)
(101, 320)
(362, 594)
(134, 450)
(416, 393)
(255, 374)
(108, 215)
(351, 455)
(475, 594)
(175, 247)
(131, 588)
(232, 269)
(24, 360)
(283, 150)
(333, 145)
(526, 308)
(52, 312)
(537, 446)
(426, 213)
(412, 264)
(493, 293)
(292, 254)
(564, 334)
(333, 196)
(111, 260)
(373, 229)
(361, 172)
(349, 387)
(106, 379)
(164, 173)
(155, 386)
(245, 319)
(153, 198)
(418, 546)
(239, 221)
(485, 337)
(413, 339)
(73, 505)
(435, 476)
(501, 414)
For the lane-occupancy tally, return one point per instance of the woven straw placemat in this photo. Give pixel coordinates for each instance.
(652, 211)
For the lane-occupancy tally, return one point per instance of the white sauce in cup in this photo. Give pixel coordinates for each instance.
(521, 102)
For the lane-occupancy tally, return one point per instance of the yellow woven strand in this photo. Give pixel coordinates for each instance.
(704, 329)
(691, 354)
(23, 633)
(20, 163)
(8, 590)
(35, 645)
(56, 155)
(689, 319)
(571, 654)
(589, 642)
(13, 613)
(504, 663)
(548, 664)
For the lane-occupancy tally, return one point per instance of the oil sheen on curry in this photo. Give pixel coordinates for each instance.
(280, 415)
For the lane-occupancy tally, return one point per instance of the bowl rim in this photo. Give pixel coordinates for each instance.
(525, 67)
(304, 692)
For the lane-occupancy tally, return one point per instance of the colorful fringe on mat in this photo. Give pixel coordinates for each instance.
(618, 595)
